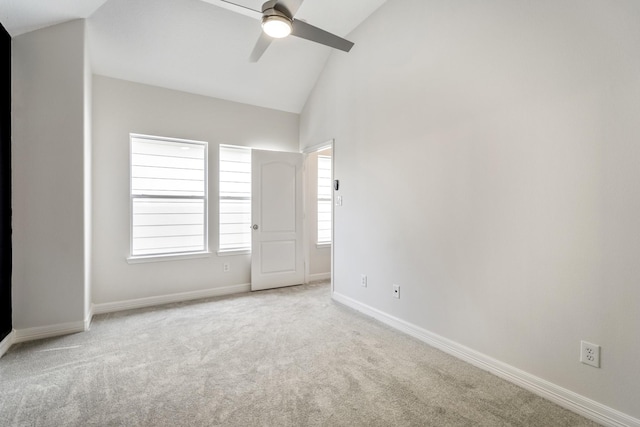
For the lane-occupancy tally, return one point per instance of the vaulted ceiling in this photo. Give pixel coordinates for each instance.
(197, 46)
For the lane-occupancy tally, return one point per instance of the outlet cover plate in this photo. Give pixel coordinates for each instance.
(363, 280)
(396, 291)
(590, 354)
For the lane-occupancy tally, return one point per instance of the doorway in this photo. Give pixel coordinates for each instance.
(318, 212)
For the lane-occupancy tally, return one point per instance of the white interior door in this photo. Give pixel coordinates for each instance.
(276, 206)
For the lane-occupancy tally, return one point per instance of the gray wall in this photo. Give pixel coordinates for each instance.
(120, 108)
(50, 245)
(488, 159)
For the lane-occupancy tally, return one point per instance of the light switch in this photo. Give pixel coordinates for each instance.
(338, 200)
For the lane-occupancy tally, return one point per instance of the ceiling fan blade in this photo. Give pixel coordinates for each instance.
(261, 45)
(309, 32)
(290, 6)
(239, 8)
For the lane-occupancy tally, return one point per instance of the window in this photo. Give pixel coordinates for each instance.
(235, 198)
(168, 196)
(324, 199)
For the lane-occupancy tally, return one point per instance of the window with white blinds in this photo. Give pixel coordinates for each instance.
(168, 196)
(324, 199)
(235, 198)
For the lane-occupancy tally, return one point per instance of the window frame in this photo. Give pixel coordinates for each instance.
(134, 259)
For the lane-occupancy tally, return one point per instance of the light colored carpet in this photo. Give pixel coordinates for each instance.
(287, 357)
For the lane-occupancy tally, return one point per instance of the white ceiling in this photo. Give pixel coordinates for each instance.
(197, 46)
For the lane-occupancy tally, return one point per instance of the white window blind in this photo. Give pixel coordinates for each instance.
(168, 196)
(235, 198)
(324, 199)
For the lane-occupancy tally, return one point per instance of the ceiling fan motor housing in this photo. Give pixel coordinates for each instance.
(272, 8)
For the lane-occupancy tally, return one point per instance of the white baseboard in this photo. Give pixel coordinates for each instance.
(579, 404)
(6, 343)
(110, 307)
(87, 320)
(318, 277)
(40, 332)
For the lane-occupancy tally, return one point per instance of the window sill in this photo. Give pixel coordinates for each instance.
(168, 257)
(235, 252)
(323, 245)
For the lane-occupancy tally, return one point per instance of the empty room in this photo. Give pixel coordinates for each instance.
(320, 212)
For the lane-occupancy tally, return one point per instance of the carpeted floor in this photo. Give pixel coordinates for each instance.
(287, 357)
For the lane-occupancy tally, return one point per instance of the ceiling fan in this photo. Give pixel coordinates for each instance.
(278, 21)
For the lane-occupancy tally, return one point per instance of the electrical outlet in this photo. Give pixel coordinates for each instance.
(226, 267)
(396, 291)
(590, 354)
(363, 280)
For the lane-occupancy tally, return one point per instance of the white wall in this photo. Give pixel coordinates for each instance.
(488, 159)
(120, 108)
(49, 245)
(88, 196)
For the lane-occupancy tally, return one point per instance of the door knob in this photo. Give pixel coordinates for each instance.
(255, 226)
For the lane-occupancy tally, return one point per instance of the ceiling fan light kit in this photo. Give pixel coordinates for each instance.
(276, 26)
